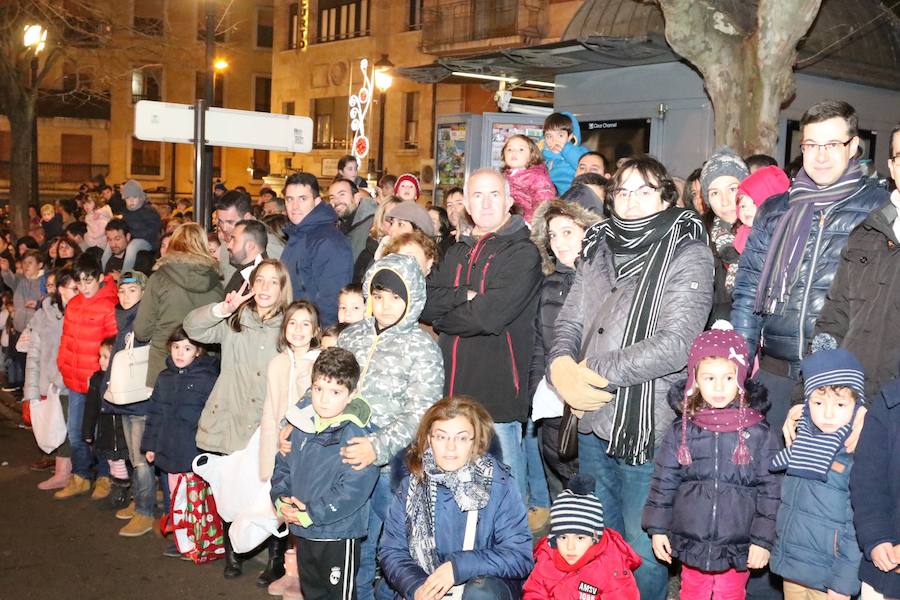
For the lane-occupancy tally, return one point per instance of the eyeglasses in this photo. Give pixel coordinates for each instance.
(810, 148)
(645, 192)
(460, 439)
(86, 280)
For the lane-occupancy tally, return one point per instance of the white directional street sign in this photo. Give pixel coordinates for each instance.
(169, 122)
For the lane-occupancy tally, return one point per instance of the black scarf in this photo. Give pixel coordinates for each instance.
(643, 248)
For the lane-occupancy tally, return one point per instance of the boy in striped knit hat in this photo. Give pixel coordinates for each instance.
(816, 550)
(580, 558)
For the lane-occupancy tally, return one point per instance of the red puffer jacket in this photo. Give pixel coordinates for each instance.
(87, 322)
(603, 573)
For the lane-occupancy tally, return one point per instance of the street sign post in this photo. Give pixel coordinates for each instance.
(190, 124)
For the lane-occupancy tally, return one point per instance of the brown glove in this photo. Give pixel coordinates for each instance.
(577, 385)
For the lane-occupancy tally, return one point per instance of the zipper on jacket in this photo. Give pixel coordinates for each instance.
(512, 361)
(715, 495)
(812, 269)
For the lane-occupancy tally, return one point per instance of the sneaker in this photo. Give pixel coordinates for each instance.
(171, 551)
(537, 518)
(137, 526)
(102, 487)
(43, 464)
(77, 486)
(126, 513)
(11, 388)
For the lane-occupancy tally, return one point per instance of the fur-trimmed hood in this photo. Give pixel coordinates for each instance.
(541, 237)
(757, 396)
(193, 273)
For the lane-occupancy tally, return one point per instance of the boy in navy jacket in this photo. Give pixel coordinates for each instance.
(324, 501)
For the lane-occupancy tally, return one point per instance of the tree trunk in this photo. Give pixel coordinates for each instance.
(20, 124)
(746, 62)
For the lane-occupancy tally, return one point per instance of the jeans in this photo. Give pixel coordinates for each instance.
(538, 492)
(623, 490)
(81, 452)
(509, 436)
(380, 502)
(697, 585)
(131, 252)
(143, 484)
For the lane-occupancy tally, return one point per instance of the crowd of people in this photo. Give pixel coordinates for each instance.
(572, 380)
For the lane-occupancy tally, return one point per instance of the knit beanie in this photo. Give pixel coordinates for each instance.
(412, 179)
(722, 341)
(386, 279)
(133, 189)
(723, 162)
(763, 184)
(813, 451)
(576, 510)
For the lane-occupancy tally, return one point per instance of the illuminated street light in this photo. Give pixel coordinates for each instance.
(220, 65)
(35, 37)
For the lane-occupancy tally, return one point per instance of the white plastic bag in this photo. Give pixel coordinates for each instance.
(48, 422)
(241, 497)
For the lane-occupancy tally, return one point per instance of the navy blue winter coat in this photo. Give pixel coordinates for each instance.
(816, 544)
(875, 486)
(319, 261)
(336, 496)
(125, 324)
(174, 410)
(502, 539)
(145, 224)
(788, 335)
(713, 509)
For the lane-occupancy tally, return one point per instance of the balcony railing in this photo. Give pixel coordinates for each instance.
(447, 22)
(53, 173)
(74, 105)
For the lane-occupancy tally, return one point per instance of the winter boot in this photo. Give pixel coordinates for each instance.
(137, 526)
(62, 476)
(290, 583)
(275, 565)
(102, 488)
(77, 486)
(126, 513)
(234, 566)
(119, 494)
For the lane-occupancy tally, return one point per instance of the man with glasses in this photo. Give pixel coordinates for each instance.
(795, 247)
(232, 207)
(861, 311)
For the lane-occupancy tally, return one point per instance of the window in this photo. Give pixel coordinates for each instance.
(264, 27)
(146, 157)
(262, 94)
(287, 108)
(342, 19)
(416, 8)
(293, 25)
(260, 162)
(218, 88)
(149, 17)
(5, 153)
(218, 21)
(411, 121)
(146, 84)
(331, 124)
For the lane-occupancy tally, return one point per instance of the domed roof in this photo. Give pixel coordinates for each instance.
(853, 40)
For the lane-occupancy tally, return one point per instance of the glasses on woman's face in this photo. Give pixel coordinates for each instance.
(645, 192)
(460, 439)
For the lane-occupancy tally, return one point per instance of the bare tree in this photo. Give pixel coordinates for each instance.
(95, 36)
(745, 50)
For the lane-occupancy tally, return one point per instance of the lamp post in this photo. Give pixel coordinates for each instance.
(34, 38)
(202, 152)
(383, 81)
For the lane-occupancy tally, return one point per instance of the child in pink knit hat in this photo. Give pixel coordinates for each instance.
(712, 500)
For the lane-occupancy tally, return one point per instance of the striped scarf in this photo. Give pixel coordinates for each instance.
(788, 243)
(643, 248)
(811, 454)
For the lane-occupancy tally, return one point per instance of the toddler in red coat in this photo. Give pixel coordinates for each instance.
(580, 559)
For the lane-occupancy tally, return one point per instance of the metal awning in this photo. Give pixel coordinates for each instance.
(546, 61)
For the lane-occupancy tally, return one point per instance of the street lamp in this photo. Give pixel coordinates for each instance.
(383, 81)
(34, 38)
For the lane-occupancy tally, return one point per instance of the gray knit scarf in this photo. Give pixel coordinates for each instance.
(471, 489)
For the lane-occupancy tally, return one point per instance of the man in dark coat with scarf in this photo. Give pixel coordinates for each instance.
(792, 254)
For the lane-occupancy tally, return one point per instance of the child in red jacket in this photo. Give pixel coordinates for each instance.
(580, 559)
(90, 318)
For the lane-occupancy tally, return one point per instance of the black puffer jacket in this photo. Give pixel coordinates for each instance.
(862, 310)
(487, 341)
(713, 509)
(787, 336)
